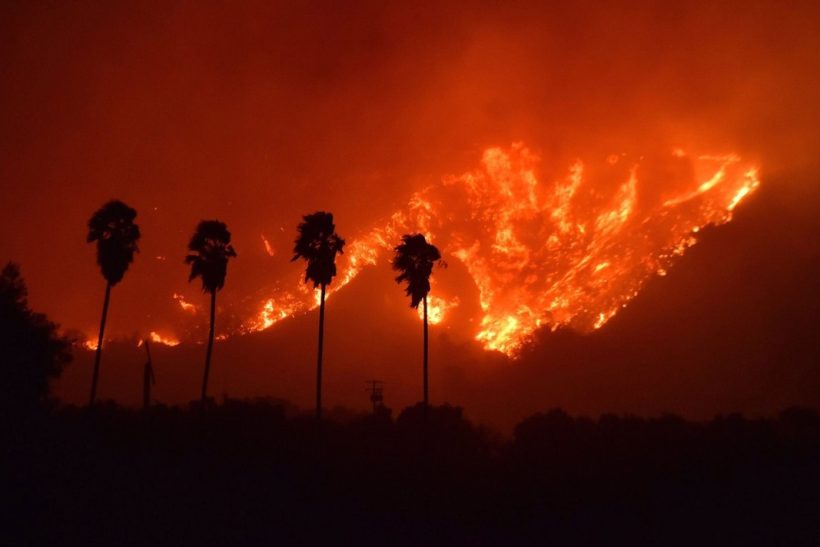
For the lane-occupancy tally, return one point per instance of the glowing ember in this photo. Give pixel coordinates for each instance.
(184, 304)
(572, 251)
(266, 243)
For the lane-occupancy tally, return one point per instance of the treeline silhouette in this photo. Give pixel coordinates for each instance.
(263, 472)
(114, 231)
(258, 472)
(32, 352)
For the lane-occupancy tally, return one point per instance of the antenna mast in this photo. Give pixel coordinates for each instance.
(376, 390)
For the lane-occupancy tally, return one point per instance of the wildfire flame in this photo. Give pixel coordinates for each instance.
(572, 251)
(268, 248)
(184, 304)
(160, 339)
(437, 308)
(167, 340)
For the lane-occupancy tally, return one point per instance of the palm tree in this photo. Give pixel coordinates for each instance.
(112, 228)
(414, 260)
(211, 248)
(318, 244)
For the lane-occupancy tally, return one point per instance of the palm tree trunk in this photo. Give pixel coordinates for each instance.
(98, 355)
(319, 358)
(426, 394)
(210, 348)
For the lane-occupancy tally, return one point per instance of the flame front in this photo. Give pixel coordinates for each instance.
(437, 308)
(90, 342)
(184, 304)
(571, 251)
(166, 340)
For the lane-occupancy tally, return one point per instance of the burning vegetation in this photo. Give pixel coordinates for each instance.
(569, 251)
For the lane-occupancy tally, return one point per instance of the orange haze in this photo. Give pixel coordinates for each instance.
(562, 156)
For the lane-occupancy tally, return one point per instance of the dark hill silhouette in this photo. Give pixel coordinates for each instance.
(731, 328)
(275, 362)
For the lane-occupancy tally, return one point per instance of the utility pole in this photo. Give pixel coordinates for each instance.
(147, 377)
(376, 390)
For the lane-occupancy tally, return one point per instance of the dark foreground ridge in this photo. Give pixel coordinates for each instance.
(255, 472)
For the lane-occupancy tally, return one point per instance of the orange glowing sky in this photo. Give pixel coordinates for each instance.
(562, 157)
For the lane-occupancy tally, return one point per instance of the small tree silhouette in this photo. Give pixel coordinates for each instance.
(33, 351)
(414, 260)
(318, 244)
(112, 228)
(211, 248)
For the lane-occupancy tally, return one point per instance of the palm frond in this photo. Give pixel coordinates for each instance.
(113, 229)
(318, 244)
(414, 260)
(210, 247)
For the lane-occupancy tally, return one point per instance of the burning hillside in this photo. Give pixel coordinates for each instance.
(570, 251)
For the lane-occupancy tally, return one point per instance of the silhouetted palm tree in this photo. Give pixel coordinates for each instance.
(112, 228)
(414, 259)
(211, 248)
(318, 243)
